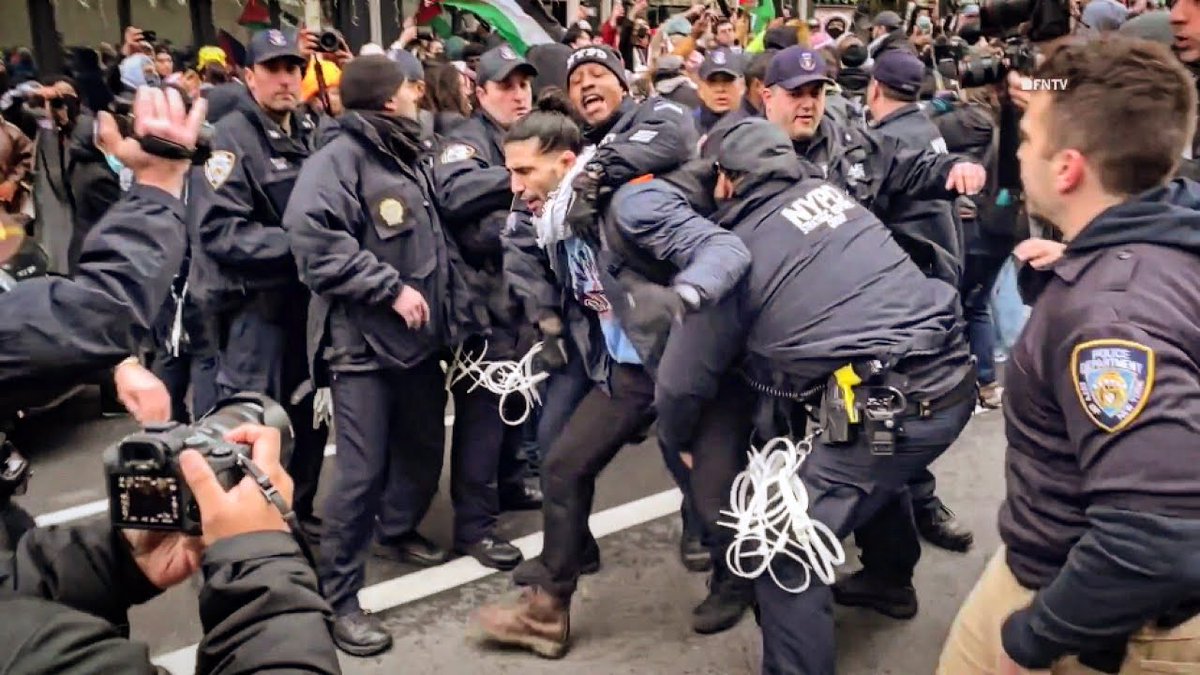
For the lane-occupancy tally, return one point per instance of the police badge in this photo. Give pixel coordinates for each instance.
(392, 212)
(807, 62)
(218, 168)
(276, 38)
(1113, 379)
(457, 153)
(719, 58)
(507, 53)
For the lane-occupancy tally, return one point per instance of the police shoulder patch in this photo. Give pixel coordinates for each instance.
(1113, 379)
(219, 167)
(668, 105)
(392, 212)
(457, 153)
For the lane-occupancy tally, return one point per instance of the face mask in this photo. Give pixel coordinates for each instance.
(114, 164)
(834, 32)
(924, 23)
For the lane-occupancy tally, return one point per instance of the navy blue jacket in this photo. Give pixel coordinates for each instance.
(828, 285)
(362, 224)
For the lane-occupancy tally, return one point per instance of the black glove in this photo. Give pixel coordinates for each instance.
(553, 356)
(585, 208)
(653, 308)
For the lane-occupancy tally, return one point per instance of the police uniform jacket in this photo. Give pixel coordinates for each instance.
(828, 286)
(884, 175)
(651, 137)
(931, 228)
(53, 327)
(363, 225)
(236, 204)
(475, 198)
(1102, 417)
(65, 594)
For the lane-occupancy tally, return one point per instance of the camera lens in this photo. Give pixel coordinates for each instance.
(329, 41)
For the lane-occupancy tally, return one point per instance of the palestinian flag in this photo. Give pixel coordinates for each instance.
(433, 15)
(762, 12)
(522, 23)
(255, 16)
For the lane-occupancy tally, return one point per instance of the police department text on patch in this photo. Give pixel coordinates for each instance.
(1113, 379)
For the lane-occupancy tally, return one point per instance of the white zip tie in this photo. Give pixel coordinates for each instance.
(769, 508)
(502, 378)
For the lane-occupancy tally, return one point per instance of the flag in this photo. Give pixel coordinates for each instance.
(762, 15)
(522, 23)
(432, 14)
(255, 16)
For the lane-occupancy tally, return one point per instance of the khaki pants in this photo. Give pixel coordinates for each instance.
(974, 648)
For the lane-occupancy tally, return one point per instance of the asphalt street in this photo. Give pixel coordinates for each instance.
(632, 617)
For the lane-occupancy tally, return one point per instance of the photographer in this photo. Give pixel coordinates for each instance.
(260, 607)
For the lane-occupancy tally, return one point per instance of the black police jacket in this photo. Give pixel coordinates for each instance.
(66, 591)
(363, 225)
(236, 205)
(652, 137)
(1101, 410)
(53, 327)
(476, 202)
(828, 285)
(929, 230)
(885, 175)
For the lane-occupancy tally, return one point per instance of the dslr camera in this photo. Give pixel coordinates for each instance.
(146, 490)
(330, 41)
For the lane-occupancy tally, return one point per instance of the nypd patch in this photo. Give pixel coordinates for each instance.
(219, 167)
(458, 152)
(1113, 379)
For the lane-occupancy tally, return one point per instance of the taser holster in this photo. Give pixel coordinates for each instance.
(856, 400)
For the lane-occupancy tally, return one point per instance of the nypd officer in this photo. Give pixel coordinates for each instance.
(722, 87)
(369, 243)
(475, 201)
(242, 269)
(802, 314)
(929, 230)
(886, 175)
(1101, 521)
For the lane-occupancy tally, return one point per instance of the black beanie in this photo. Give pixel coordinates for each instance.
(369, 82)
(605, 56)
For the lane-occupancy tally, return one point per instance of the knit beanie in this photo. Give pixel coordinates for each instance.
(369, 82)
(602, 55)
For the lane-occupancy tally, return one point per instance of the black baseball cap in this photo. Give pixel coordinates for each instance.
(722, 61)
(498, 63)
(272, 44)
(899, 70)
(795, 67)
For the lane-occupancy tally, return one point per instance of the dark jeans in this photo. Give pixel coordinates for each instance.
(268, 355)
(390, 432)
(693, 525)
(598, 428)
(852, 491)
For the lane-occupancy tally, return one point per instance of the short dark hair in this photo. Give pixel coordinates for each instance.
(1136, 86)
(163, 49)
(757, 70)
(554, 131)
(723, 21)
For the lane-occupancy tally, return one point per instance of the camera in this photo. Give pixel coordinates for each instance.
(330, 41)
(146, 490)
(1019, 55)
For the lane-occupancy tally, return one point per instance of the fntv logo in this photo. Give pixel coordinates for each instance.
(1044, 84)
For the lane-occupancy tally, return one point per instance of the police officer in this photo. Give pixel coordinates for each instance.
(369, 243)
(475, 201)
(929, 230)
(1101, 522)
(829, 290)
(722, 87)
(242, 270)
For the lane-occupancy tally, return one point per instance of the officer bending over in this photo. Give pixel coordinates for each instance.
(829, 290)
(475, 201)
(369, 243)
(66, 591)
(242, 271)
(1101, 523)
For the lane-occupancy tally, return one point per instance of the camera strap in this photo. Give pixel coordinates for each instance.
(272, 495)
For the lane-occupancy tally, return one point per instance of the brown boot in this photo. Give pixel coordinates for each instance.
(537, 621)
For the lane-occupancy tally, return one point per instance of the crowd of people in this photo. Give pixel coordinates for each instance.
(725, 229)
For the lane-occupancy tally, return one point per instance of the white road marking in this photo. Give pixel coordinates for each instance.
(418, 585)
(99, 506)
